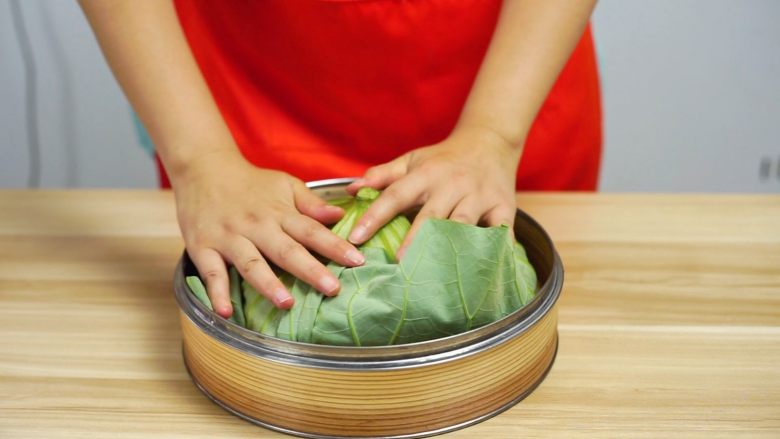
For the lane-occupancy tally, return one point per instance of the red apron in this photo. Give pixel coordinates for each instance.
(324, 89)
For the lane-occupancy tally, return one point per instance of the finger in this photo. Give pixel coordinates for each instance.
(398, 197)
(254, 269)
(315, 207)
(437, 207)
(502, 214)
(381, 176)
(467, 211)
(291, 256)
(317, 237)
(212, 270)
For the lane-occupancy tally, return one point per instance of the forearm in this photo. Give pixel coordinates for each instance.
(531, 44)
(149, 55)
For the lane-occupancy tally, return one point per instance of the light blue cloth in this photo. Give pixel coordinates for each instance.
(143, 136)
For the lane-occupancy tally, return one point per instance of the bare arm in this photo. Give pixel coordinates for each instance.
(228, 210)
(146, 49)
(531, 44)
(470, 176)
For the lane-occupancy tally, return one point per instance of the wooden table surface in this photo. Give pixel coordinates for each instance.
(669, 320)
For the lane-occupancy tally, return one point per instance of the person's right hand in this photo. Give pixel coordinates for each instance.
(230, 211)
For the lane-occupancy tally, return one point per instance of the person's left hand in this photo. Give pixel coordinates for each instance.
(469, 177)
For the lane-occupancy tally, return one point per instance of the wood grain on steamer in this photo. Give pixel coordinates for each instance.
(380, 403)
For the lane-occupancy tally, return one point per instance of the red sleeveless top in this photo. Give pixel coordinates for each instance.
(324, 89)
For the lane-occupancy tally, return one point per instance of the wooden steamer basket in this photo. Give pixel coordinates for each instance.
(403, 391)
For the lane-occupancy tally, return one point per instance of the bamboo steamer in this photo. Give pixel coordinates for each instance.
(403, 391)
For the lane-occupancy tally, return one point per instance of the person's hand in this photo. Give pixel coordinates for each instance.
(230, 211)
(469, 177)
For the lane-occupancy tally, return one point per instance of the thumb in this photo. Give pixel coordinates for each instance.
(382, 176)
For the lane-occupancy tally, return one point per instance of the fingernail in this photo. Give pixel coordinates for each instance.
(358, 182)
(328, 285)
(358, 234)
(355, 257)
(282, 298)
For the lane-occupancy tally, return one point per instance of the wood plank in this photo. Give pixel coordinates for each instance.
(88, 213)
(653, 218)
(671, 283)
